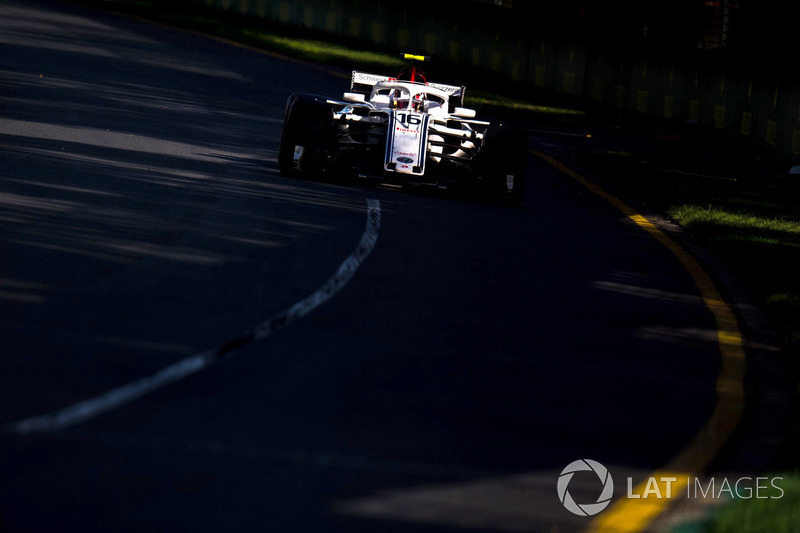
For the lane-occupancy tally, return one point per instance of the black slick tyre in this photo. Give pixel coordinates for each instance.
(308, 140)
(502, 164)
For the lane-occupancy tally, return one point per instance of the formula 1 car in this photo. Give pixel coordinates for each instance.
(406, 131)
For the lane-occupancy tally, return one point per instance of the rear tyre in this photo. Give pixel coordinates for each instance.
(502, 164)
(308, 140)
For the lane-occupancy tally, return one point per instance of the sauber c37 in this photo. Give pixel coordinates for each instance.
(403, 130)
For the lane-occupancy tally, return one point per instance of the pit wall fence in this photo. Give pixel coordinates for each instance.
(758, 106)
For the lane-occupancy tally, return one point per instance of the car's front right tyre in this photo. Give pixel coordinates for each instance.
(308, 140)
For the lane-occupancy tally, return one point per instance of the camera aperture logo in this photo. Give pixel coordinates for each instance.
(586, 509)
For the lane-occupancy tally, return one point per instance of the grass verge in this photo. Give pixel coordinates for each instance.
(756, 515)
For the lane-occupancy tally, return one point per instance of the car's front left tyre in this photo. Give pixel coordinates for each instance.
(502, 164)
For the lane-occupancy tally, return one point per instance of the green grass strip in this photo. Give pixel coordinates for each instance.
(757, 515)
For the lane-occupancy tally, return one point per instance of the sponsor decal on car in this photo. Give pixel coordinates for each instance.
(406, 142)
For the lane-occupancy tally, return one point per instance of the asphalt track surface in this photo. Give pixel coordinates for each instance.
(474, 353)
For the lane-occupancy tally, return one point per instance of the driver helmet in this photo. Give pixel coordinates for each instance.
(419, 102)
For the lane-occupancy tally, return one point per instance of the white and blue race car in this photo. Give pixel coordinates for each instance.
(406, 131)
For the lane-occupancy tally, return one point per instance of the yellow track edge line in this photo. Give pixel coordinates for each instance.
(630, 515)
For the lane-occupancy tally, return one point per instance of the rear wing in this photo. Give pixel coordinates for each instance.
(361, 82)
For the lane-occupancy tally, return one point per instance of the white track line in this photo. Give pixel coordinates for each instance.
(115, 398)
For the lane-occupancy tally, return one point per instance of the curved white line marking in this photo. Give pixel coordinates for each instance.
(115, 398)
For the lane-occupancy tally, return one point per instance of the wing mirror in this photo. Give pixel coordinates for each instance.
(355, 97)
(463, 112)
